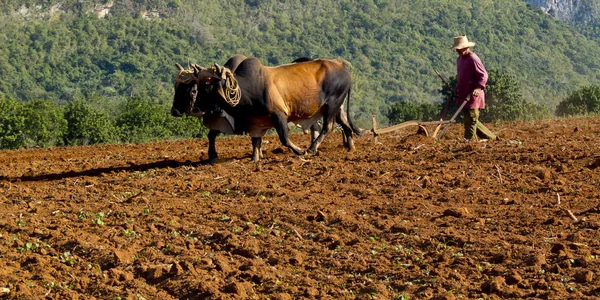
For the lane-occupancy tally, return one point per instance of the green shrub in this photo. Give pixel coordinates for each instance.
(585, 100)
(87, 125)
(405, 111)
(141, 121)
(12, 124)
(45, 125)
(535, 111)
(186, 127)
(503, 98)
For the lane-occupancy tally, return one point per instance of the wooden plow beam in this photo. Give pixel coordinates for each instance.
(407, 124)
(437, 134)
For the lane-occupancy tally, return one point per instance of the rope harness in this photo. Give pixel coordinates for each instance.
(232, 89)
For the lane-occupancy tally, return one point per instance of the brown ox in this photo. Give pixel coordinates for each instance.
(259, 98)
(217, 120)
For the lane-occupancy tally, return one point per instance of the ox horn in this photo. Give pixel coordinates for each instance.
(220, 71)
(179, 67)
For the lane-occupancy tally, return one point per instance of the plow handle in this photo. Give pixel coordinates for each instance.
(453, 117)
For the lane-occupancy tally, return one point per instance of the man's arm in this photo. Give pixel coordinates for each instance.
(480, 73)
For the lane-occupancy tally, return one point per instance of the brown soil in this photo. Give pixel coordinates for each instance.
(409, 217)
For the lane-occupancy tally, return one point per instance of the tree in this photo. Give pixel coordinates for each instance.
(585, 100)
(86, 125)
(45, 125)
(142, 120)
(11, 124)
(405, 111)
(503, 98)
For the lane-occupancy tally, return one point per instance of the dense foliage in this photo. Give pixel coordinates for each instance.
(62, 52)
(585, 100)
(44, 123)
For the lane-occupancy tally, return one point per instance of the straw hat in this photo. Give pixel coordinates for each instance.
(461, 42)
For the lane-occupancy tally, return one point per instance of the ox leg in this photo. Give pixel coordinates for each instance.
(256, 149)
(314, 132)
(327, 127)
(212, 149)
(342, 119)
(280, 123)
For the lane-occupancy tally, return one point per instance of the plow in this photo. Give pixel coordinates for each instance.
(438, 133)
(441, 127)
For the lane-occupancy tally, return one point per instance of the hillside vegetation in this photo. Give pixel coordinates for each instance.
(61, 51)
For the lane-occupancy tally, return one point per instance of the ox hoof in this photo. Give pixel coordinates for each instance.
(213, 160)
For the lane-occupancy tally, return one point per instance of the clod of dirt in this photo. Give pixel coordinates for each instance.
(123, 257)
(595, 164)
(562, 251)
(321, 217)
(445, 296)
(281, 296)
(311, 292)
(574, 237)
(249, 249)
(401, 228)
(426, 181)
(584, 276)
(460, 212)
(4, 291)
(176, 270)
(222, 264)
(273, 261)
(155, 273)
(335, 244)
(556, 248)
(120, 275)
(379, 291)
(513, 278)
(537, 259)
(542, 173)
(496, 285)
(236, 288)
(295, 258)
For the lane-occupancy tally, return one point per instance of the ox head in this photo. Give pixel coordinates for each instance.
(185, 91)
(220, 80)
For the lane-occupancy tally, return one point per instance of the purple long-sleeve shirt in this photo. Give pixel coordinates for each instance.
(471, 74)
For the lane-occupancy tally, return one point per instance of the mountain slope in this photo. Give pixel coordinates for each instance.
(573, 11)
(394, 46)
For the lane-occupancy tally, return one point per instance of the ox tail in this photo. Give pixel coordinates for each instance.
(355, 128)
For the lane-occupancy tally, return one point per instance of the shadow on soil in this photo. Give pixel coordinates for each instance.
(99, 171)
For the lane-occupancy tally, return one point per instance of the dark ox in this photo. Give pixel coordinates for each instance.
(259, 98)
(215, 119)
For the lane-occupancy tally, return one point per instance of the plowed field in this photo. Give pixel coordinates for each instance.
(406, 218)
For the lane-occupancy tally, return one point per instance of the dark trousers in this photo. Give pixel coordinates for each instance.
(474, 128)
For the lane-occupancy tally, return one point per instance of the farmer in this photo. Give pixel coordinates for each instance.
(471, 77)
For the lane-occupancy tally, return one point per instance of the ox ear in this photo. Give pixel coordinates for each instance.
(221, 91)
(179, 67)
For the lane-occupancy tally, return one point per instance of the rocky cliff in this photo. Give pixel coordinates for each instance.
(573, 11)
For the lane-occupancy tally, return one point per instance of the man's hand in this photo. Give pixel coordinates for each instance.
(476, 92)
